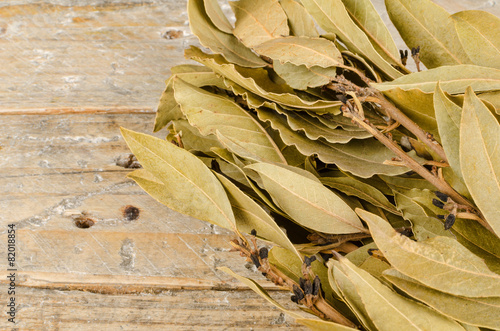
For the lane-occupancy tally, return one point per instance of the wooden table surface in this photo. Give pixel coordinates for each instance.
(71, 73)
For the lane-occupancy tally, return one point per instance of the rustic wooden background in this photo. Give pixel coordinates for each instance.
(71, 73)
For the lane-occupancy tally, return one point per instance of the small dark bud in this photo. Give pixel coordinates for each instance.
(253, 232)
(298, 293)
(294, 299)
(438, 203)
(371, 251)
(255, 260)
(450, 220)
(316, 286)
(302, 283)
(263, 253)
(309, 260)
(441, 217)
(404, 56)
(441, 196)
(308, 287)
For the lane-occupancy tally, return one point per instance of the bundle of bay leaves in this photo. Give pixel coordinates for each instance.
(378, 188)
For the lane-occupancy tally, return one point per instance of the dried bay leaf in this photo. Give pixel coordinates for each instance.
(493, 98)
(472, 233)
(306, 51)
(480, 157)
(483, 312)
(425, 24)
(217, 17)
(363, 158)
(366, 17)
(259, 290)
(353, 187)
(258, 21)
(350, 295)
(314, 129)
(448, 116)
(301, 77)
(336, 120)
(299, 21)
(389, 310)
(308, 202)
(210, 113)
(186, 184)
(452, 79)
(407, 183)
(192, 139)
(168, 109)
(479, 34)
(332, 16)
(257, 81)
(250, 216)
(218, 41)
(439, 262)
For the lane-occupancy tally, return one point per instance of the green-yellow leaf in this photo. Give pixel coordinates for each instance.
(423, 23)
(192, 139)
(218, 41)
(479, 33)
(258, 21)
(299, 21)
(354, 187)
(448, 116)
(480, 157)
(186, 184)
(349, 294)
(168, 109)
(302, 51)
(301, 77)
(210, 113)
(308, 202)
(250, 216)
(439, 262)
(389, 310)
(452, 79)
(257, 81)
(217, 16)
(363, 158)
(483, 312)
(314, 129)
(332, 16)
(365, 15)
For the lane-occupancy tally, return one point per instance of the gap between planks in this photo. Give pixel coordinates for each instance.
(121, 284)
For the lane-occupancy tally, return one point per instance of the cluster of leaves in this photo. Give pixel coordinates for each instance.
(379, 188)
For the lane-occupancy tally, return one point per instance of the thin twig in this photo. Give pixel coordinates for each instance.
(393, 112)
(440, 184)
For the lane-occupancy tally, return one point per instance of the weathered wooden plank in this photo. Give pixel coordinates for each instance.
(44, 309)
(101, 54)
